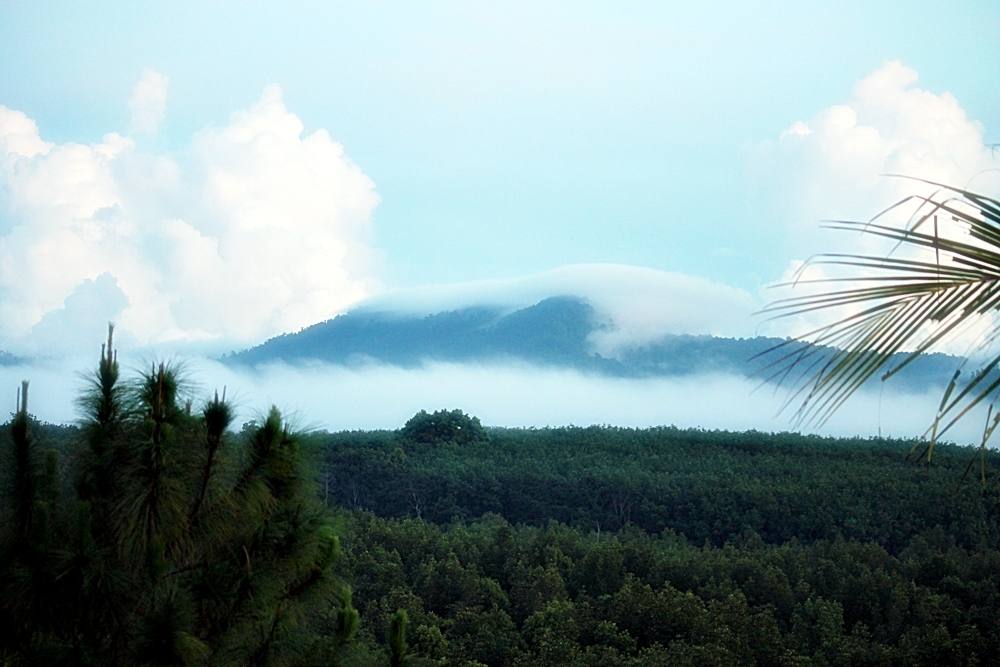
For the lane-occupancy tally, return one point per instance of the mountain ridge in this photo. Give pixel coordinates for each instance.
(554, 332)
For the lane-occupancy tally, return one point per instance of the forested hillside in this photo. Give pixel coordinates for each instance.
(407, 294)
(708, 485)
(555, 332)
(607, 546)
(467, 545)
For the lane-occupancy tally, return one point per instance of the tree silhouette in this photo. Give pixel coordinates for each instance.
(443, 426)
(160, 537)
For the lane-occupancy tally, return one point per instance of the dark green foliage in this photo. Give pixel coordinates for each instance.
(153, 536)
(708, 485)
(672, 548)
(443, 426)
(25, 472)
(397, 638)
(668, 601)
(347, 619)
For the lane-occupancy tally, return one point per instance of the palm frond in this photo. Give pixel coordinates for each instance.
(931, 285)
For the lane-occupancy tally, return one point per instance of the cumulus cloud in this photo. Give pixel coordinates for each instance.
(834, 165)
(639, 305)
(148, 102)
(99, 299)
(255, 228)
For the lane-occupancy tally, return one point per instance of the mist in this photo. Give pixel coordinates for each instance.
(331, 397)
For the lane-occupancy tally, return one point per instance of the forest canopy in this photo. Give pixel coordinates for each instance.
(443, 426)
(156, 533)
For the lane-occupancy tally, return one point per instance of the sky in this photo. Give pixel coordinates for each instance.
(212, 174)
(451, 142)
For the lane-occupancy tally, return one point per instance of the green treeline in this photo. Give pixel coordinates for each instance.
(156, 533)
(609, 546)
(706, 485)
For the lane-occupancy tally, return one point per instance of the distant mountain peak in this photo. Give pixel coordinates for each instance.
(636, 305)
(557, 331)
(555, 328)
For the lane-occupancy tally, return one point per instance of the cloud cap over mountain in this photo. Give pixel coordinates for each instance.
(637, 305)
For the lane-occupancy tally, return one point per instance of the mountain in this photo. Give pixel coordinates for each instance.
(555, 332)
(8, 359)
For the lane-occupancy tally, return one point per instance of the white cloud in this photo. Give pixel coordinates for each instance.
(19, 136)
(92, 300)
(255, 228)
(336, 397)
(148, 102)
(641, 305)
(834, 165)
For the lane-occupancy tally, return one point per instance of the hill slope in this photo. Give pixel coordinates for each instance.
(557, 331)
(669, 547)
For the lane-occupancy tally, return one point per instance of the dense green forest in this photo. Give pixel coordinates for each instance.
(707, 485)
(611, 546)
(466, 545)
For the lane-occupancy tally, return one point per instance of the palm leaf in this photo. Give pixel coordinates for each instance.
(901, 305)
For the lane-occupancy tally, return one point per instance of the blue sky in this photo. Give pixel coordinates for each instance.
(505, 139)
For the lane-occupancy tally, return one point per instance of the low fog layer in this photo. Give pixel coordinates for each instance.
(339, 398)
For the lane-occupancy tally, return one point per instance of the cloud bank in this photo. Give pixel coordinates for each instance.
(517, 395)
(254, 228)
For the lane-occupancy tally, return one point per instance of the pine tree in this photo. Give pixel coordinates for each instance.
(397, 638)
(179, 542)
